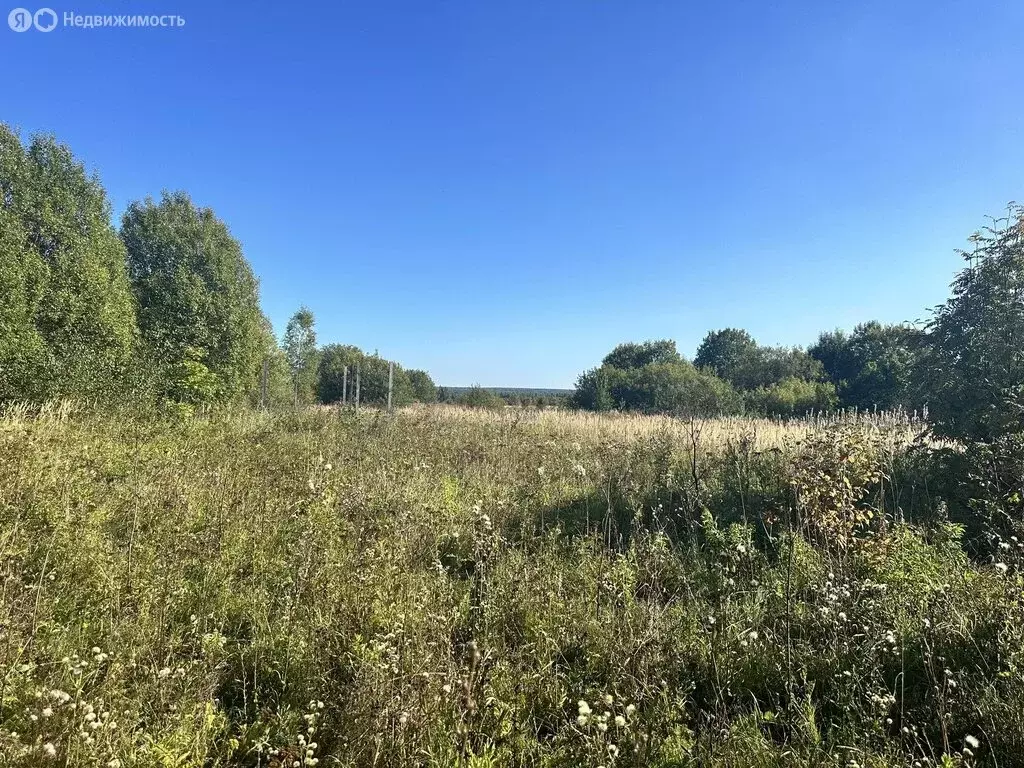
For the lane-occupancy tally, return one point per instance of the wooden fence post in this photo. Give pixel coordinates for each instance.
(391, 382)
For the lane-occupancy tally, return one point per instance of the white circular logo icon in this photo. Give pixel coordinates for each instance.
(20, 20)
(45, 19)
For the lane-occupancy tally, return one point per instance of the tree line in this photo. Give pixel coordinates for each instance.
(871, 368)
(964, 366)
(332, 373)
(477, 396)
(165, 309)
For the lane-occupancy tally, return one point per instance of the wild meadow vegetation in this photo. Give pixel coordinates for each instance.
(765, 556)
(449, 587)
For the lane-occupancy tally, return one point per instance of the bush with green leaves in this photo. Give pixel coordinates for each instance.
(278, 389)
(730, 369)
(791, 397)
(337, 370)
(656, 387)
(423, 388)
(633, 355)
(480, 397)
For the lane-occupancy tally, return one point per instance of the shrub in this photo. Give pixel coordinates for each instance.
(791, 397)
(675, 387)
(479, 397)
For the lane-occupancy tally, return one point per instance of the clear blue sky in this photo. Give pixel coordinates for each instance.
(499, 192)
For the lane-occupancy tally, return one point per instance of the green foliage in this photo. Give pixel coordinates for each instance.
(331, 376)
(67, 318)
(730, 353)
(781, 363)
(733, 355)
(198, 298)
(373, 377)
(523, 397)
(676, 388)
(873, 367)
(190, 382)
(279, 389)
(791, 397)
(375, 383)
(444, 588)
(831, 475)
(300, 351)
(973, 374)
(479, 397)
(592, 391)
(653, 378)
(423, 388)
(633, 355)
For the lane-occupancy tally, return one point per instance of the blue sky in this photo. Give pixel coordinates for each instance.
(499, 192)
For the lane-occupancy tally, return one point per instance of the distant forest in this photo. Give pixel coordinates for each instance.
(876, 367)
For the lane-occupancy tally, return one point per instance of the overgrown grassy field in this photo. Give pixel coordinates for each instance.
(455, 588)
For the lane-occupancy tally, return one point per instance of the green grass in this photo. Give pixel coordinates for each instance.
(443, 588)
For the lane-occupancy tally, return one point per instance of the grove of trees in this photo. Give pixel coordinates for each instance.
(654, 377)
(731, 373)
(408, 386)
(166, 310)
(67, 314)
(873, 367)
(964, 368)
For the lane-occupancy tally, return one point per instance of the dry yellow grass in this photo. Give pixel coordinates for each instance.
(586, 425)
